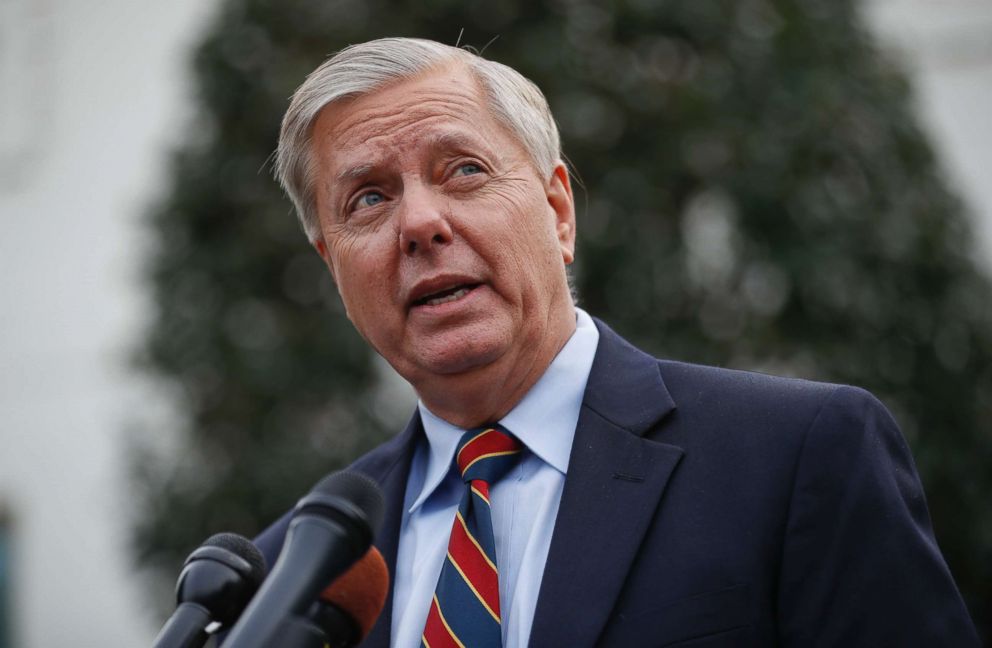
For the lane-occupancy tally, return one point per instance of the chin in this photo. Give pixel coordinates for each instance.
(442, 357)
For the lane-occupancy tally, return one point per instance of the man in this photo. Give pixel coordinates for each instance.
(653, 502)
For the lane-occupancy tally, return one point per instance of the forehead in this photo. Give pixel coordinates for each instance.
(442, 107)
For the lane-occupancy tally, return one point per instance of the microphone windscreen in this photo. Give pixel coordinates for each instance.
(361, 591)
(360, 490)
(244, 548)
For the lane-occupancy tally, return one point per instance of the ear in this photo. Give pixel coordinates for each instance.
(321, 247)
(559, 192)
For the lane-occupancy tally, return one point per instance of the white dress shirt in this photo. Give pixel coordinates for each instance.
(524, 502)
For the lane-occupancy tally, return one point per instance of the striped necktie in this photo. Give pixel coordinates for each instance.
(465, 610)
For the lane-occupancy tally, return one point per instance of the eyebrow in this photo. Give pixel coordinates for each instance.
(451, 141)
(357, 171)
(440, 141)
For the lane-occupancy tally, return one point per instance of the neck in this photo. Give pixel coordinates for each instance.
(487, 394)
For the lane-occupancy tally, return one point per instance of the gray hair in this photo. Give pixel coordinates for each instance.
(515, 101)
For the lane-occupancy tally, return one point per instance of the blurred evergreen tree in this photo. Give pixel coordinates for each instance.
(758, 195)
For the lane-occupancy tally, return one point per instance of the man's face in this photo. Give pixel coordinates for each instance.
(447, 245)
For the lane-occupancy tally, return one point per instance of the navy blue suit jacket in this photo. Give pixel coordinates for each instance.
(706, 507)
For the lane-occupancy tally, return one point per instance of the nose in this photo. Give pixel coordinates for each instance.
(423, 221)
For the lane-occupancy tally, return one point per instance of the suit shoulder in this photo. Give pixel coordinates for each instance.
(693, 381)
(761, 401)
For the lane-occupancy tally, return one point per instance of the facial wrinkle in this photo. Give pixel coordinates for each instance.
(380, 120)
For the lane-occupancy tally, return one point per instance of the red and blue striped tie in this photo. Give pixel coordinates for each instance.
(465, 610)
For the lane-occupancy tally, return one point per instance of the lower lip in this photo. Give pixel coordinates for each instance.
(448, 307)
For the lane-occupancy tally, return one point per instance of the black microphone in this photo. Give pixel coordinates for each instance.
(216, 583)
(331, 529)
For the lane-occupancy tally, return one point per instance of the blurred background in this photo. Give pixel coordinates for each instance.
(792, 186)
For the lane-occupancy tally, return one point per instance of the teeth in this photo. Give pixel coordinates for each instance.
(458, 294)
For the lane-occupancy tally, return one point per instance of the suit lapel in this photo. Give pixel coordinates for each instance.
(614, 484)
(390, 467)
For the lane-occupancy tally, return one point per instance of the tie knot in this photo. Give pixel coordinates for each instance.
(486, 453)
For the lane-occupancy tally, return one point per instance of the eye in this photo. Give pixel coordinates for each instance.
(469, 168)
(369, 199)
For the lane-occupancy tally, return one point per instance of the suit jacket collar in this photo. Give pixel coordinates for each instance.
(614, 483)
(625, 385)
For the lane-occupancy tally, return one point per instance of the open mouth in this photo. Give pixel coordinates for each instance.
(444, 296)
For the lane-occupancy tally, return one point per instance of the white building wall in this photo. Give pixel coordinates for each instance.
(946, 47)
(92, 94)
(91, 97)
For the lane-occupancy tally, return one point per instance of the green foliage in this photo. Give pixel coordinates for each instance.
(758, 195)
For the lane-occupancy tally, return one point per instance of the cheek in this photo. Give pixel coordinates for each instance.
(518, 217)
(362, 279)
(533, 230)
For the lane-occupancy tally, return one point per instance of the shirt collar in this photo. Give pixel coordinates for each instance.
(544, 420)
